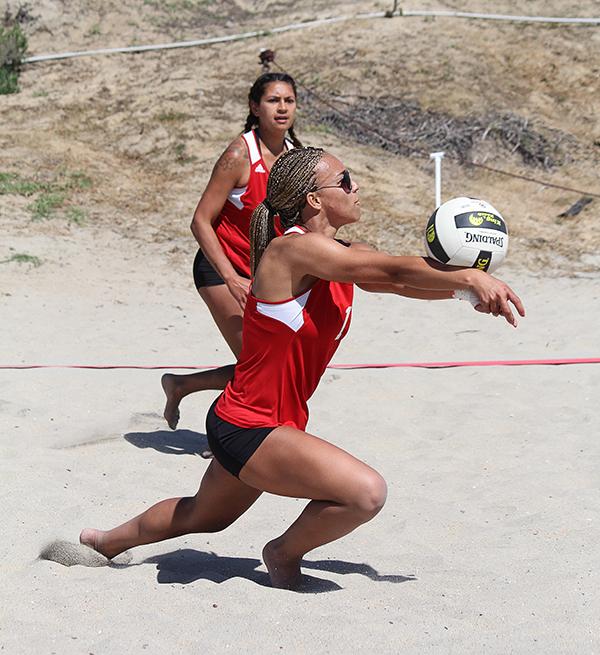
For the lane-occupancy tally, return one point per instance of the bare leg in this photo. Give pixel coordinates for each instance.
(227, 314)
(177, 387)
(221, 499)
(345, 493)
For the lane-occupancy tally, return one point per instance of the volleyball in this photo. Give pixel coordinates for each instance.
(467, 232)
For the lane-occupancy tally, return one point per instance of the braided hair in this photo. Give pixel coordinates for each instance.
(256, 93)
(290, 179)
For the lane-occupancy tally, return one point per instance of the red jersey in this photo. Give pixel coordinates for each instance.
(233, 223)
(286, 348)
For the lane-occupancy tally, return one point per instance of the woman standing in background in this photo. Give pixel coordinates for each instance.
(221, 224)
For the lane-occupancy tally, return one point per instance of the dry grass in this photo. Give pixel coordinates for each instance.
(147, 128)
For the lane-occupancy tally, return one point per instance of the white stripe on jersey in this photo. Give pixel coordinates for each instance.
(290, 312)
(235, 195)
(253, 149)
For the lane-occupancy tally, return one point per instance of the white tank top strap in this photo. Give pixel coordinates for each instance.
(253, 149)
(289, 144)
(296, 229)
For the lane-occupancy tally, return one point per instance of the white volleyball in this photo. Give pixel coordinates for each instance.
(467, 232)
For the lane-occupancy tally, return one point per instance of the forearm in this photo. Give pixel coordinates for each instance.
(416, 277)
(427, 294)
(406, 291)
(486, 293)
(421, 274)
(325, 258)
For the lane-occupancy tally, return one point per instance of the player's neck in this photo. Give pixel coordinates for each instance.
(273, 141)
(320, 223)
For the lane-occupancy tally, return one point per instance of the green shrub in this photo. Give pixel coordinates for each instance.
(23, 258)
(13, 183)
(76, 215)
(13, 45)
(49, 195)
(45, 204)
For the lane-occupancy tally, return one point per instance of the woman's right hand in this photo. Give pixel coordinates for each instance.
(239, 287)
(495, 296)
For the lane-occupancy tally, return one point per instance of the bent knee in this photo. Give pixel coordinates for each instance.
(371, 495)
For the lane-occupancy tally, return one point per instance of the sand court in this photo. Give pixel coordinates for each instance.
(486, 543)
(488, 540)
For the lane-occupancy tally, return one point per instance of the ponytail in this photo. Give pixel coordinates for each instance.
(290, 179)
(262, 232)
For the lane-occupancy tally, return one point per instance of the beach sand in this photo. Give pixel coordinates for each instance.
(487, 543)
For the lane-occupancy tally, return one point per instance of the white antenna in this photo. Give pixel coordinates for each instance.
(437, 157)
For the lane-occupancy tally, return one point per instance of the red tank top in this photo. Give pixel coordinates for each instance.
(286, 348)
(233, 223)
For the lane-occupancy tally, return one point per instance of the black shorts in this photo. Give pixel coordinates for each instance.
(205, 275)
(231, 445)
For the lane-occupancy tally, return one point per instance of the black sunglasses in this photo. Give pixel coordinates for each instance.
(345, 183)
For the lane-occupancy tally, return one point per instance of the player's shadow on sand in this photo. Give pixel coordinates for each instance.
(176, 442)
(187, 565)
(339, 566)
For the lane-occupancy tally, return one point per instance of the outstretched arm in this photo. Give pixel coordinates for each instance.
(396, 288)
(314, 254)
(407, 292)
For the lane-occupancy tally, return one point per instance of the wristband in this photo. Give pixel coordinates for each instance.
(465, 294)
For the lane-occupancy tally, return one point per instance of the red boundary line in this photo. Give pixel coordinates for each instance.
(498, 362)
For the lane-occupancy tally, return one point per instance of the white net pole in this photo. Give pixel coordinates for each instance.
(437, 158)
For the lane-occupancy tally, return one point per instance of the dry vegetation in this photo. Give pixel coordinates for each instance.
(143, 130)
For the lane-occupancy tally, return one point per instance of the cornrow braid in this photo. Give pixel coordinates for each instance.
(290, 179)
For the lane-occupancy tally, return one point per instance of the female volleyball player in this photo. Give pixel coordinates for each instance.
(298, 310)
(221, 224)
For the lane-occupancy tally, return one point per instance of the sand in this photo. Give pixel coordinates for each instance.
(487, 542)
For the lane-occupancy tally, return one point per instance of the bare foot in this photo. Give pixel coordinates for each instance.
(93, 539)
(170, 387)
(97, 541)
(283, 572)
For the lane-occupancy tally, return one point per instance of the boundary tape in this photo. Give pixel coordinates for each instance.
(457, 364)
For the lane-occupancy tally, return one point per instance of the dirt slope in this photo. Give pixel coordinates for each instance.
(127, 142)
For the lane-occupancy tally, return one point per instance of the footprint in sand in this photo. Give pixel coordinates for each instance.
(145, 418)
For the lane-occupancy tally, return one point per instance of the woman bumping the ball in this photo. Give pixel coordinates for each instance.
(298, 310)
(221, 223)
